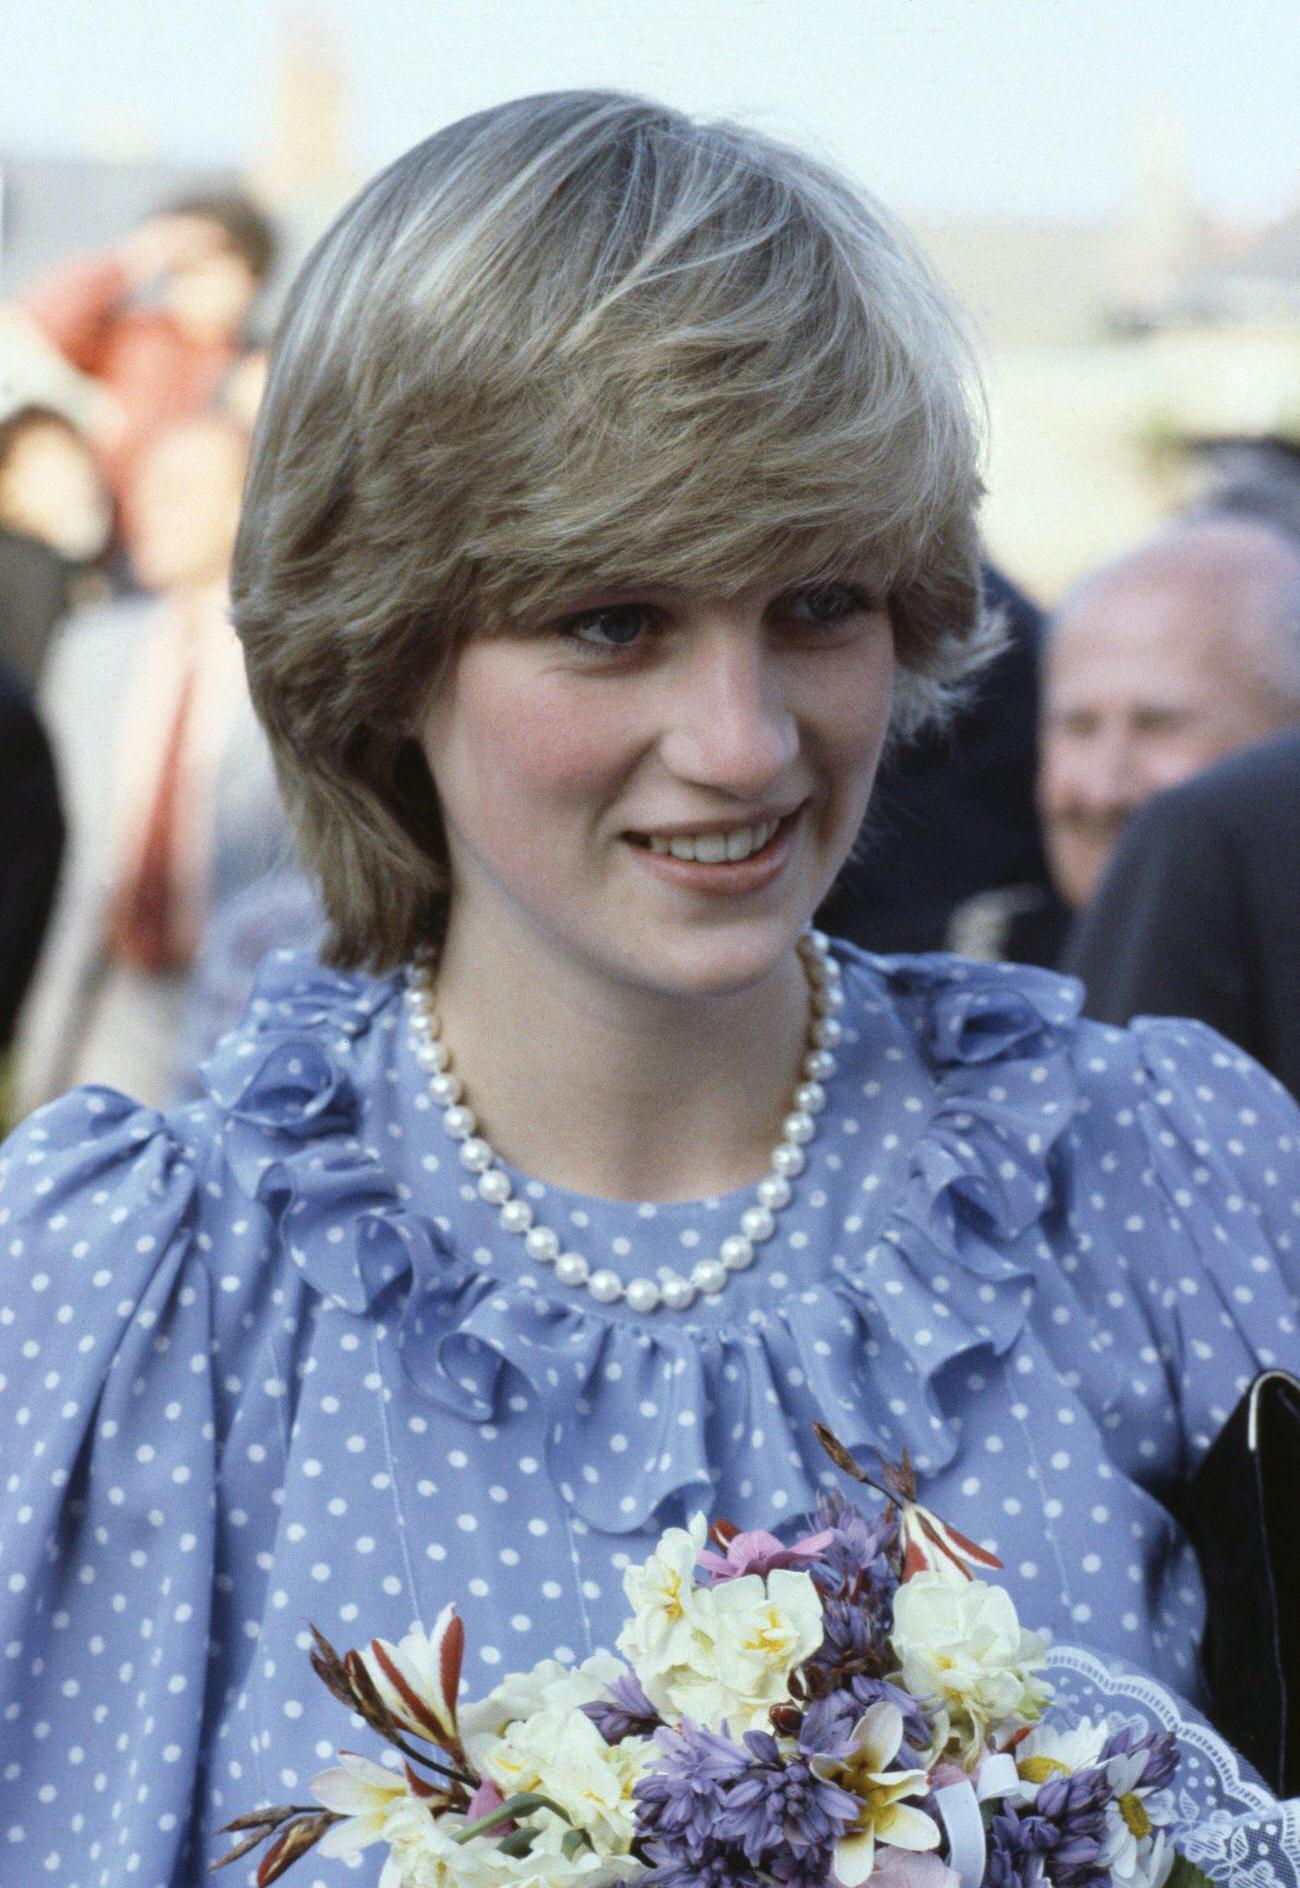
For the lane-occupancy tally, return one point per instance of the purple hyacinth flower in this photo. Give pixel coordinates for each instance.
(828, 1724)
(1158, 1750)
(916, 1726)
(857, 1556)
(721, 1868)
(1010, 1864)
(625, 1711)
(780, 1811)
(679, 1801)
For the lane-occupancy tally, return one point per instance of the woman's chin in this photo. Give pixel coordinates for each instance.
(722, 961)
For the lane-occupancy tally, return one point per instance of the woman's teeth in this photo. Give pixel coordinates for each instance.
(718, 848)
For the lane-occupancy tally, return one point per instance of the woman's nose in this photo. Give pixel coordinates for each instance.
(730, 725)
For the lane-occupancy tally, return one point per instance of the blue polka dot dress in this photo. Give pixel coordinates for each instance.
(270, 1361)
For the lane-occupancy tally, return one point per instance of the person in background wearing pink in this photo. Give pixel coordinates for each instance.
(166, 780)
(158, 320)
(1157, 666)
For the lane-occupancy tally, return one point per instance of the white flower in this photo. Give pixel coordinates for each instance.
(1050, 1751)
(364, 1793)
(746, 1637)
(548, 1686)
(963, 1647)
(882, 1816)
(418, 1679)
(424, 1852)
(1135, 1847)
(547, 1869)
(562, 1754)
(664, 1600)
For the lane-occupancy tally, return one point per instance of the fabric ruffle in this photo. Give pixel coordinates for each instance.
(643, 1411)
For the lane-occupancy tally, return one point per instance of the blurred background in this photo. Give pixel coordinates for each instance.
(1111, 188)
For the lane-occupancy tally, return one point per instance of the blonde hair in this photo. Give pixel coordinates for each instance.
(578, 335)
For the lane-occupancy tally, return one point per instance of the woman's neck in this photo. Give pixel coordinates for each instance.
(612, 1090)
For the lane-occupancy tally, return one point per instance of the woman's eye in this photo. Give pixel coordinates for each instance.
(826, 605)
(617, 626)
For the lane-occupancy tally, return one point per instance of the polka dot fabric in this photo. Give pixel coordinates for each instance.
(269, 1361)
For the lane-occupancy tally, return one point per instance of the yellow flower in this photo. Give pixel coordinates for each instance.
(882, 1815)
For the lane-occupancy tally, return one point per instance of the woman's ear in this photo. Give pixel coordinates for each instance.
(415, 798)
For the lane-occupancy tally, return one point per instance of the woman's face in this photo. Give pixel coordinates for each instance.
(658, 786)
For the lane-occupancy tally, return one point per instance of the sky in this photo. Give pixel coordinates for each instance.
(946, 108)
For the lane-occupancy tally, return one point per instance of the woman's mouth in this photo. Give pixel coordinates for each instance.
(741, 858)
(717, 848)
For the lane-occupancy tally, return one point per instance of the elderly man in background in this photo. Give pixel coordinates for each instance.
(1199, 911)
(1182, 652)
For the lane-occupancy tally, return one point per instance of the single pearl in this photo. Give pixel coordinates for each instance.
(475, 1155)
(459, 1121)
(709, 1276)
(571, 1268)
(798, 1127)
(542, 1244)
(787, 1161)
(642, 1294)
(833, 997)
(810, 1096)
(826, 1032)
(416, 995)
(736, 1253)
(445, 1088)
(516, 1216)
(678, 1292)
(431, 1055)
(606, 1287)
(818, 1064)
(757, 1224)
(773, 1192)
(493, 1186)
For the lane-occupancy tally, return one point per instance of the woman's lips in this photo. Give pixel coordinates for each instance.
(728, 877)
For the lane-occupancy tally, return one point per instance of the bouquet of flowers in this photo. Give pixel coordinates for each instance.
(861, 1705)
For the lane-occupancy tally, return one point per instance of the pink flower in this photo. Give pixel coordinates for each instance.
(485, 1799)
(759, 1552)
(902, 1868)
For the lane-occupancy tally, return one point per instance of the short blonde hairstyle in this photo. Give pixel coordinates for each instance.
(578, 336)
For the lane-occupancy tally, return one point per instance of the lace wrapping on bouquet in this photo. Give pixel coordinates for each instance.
(1227, 1822)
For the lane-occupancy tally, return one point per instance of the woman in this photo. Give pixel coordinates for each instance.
(613, 500)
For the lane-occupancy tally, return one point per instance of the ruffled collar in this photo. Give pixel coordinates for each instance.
(640, 1412)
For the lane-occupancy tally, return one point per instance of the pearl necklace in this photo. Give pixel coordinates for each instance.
(757, 1223)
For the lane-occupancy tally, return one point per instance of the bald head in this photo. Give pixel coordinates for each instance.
(1156, 666)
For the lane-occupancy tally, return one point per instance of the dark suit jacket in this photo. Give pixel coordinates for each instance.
(953, 814)
(35, 584)
(31, 844)
(1199, 912)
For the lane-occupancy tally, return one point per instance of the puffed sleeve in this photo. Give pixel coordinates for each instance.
(1223, 1140)
(107, 1457)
